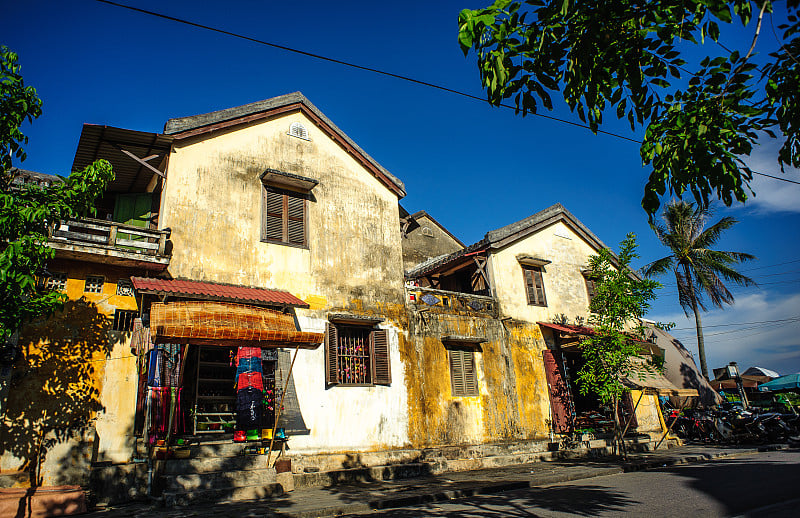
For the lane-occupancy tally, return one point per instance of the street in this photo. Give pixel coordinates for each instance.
(750, 485)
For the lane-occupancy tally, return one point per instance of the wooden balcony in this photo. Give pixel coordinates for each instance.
(452, 302)
(108, 242)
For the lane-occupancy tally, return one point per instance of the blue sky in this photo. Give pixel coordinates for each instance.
(473, 167)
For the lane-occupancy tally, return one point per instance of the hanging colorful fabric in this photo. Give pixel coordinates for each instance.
(250, 380)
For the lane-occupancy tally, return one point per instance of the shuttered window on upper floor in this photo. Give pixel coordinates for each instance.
(534, 285)
(463, 376)
(285, 217)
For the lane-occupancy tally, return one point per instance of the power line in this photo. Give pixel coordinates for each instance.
(381, 72)
(796, 321)
(771, 265)
(672, 284)
(738, 289)
(743, 323)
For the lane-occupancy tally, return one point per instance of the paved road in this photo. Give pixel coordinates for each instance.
(765, 484)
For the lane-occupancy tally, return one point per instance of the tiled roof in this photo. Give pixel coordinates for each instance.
(214, 291)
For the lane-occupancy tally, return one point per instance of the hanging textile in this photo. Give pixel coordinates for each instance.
(249, 408)
(250, 380)
(160, 398)
(247, 352)
(248, 365)
(250, 386)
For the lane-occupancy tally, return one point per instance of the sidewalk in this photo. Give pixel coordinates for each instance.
(359, 498)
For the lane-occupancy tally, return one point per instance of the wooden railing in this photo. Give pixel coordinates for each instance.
(451, 301)
(111, 234)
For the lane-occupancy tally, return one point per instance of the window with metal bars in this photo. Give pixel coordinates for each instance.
(123, 320)
(57, 281)
(356, 356)
(284, 218)
(94, 284)
(534, 285)
(463, 376)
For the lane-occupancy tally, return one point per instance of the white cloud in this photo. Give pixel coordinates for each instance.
(772, 195)
(774, 345)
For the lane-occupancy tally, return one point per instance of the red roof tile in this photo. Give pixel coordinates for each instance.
(214, 291)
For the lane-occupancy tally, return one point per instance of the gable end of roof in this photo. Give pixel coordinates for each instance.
(184, 127)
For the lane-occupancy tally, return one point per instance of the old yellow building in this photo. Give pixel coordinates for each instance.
(263, 234)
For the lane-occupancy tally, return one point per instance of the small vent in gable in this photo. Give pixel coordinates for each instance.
(299, 131)
(427, 232)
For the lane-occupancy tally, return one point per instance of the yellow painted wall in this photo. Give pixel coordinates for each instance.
(76, 378)
(564, 286)
(213, 202)
(512, 402)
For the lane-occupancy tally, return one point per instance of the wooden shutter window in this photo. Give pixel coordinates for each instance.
(591, 288)
(463, 378)
(381, 366)
(295, 220)
(331, 355)
(284, 217)
(534, 285)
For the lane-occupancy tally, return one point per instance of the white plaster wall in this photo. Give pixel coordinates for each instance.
(213, 203)
(345, 418)
(565, 289)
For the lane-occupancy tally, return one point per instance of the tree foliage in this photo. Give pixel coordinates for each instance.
(611, 355)
(29, 213)
(699, 270)
(627, 57)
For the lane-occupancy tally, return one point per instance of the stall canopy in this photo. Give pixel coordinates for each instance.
(650, 381)
(223, 323)
(790, 382)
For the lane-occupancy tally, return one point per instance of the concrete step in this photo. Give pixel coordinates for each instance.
(252, 492)
(219, 479)
(213, 464)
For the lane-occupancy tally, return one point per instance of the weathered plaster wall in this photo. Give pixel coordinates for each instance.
(419, 245)
(74, 389)
(213, 203)
(511, 381)
(564, 286)
(353, 263)
(343, 418)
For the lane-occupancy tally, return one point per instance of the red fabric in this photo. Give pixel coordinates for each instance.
(250, 379)
(247, 352)
(239, 436)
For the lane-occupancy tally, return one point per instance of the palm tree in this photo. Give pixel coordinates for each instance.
(699, 270)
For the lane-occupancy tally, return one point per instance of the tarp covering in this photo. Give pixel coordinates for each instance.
(790, 382)
(223, 323)
(653, 382)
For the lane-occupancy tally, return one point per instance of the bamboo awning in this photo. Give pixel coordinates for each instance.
(654, 382)
(223, 323)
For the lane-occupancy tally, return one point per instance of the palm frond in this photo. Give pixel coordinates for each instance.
(708, 237)
(658, 267)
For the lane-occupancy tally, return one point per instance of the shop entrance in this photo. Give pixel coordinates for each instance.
(212, 380)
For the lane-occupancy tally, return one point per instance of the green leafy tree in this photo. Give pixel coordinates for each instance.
(612, 355)
(626, 57)
(30, 213)
(699, 270)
